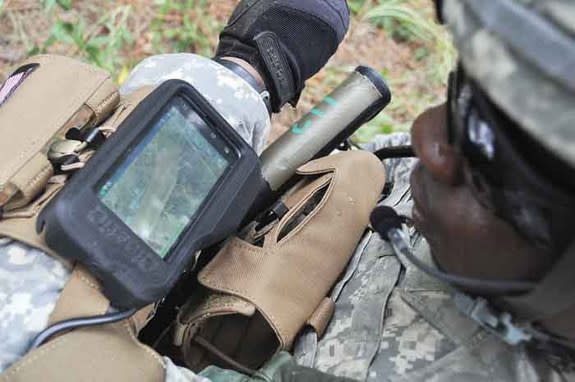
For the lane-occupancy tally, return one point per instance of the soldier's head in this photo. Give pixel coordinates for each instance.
(495, 187)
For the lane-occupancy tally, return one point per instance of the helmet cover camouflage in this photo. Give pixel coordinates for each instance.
(522, 54)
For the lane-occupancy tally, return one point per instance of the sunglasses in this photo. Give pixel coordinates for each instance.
(500, 175)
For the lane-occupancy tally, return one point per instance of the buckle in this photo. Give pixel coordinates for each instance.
(498, 323)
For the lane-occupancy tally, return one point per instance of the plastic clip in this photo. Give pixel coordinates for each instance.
(500, 324)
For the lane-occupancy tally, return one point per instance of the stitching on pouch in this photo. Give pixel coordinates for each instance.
(41, 354)
(146, 349)
(329, 193)
(60, 122)
(206, 315)
(241, 294)
(38, 177)
(105, 103)
(88, 282)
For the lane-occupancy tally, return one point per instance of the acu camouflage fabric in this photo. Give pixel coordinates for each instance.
(543, 105)
(394, 323)
(30, 283)
(229, 94)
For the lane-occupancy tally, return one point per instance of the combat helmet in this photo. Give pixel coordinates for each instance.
(514, 91)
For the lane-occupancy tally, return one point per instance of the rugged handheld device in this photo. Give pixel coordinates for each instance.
(174, 179)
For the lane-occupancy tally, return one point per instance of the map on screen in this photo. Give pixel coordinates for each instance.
(163, 181)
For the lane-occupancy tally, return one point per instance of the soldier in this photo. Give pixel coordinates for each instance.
(263, 60)
(492, 198)
(489, 295)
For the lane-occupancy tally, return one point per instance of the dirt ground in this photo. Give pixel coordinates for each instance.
(25, 24)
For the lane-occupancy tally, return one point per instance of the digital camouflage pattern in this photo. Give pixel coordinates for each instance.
(282, 368)
(541, 104)
(394, 323)
(31, 281)
(229, 94)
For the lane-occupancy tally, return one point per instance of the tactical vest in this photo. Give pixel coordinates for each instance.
(40, 104)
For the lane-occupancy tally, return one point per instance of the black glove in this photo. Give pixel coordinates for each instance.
(286, 41)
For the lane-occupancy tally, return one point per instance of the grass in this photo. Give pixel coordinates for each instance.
(183, 26)
(115, 35)
(408, 22)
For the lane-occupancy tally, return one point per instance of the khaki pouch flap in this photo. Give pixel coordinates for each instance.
(288, 278)
(20, 223)
(57, 93)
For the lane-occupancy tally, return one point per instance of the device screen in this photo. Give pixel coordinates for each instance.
(159, 186)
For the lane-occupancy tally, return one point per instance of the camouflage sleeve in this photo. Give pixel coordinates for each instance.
(282, 368)
(30, 283)
(352, 340)
(230, 95)
(181, 374)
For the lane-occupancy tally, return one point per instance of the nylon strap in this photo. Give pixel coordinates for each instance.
(278, 68)
(246, 76)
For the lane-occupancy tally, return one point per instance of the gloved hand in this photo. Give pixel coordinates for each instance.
(286, 41)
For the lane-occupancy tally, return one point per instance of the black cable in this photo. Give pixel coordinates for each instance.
(488, 286)
(206, 345)
(395, 152)
(162, 335)
(387, 223)
(80, 323)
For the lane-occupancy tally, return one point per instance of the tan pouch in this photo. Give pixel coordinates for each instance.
(20, 223)
(104, 353)
(107, 353)
(259, 292)
(55, 94)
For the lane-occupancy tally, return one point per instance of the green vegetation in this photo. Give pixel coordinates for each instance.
(398, 37)
(408, 22)
(89, 41)
(183, 26)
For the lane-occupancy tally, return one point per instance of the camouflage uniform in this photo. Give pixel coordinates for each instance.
(31, 281)
(394, 323)
(228, 93)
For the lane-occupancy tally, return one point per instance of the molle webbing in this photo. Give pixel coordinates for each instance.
(267, 294)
